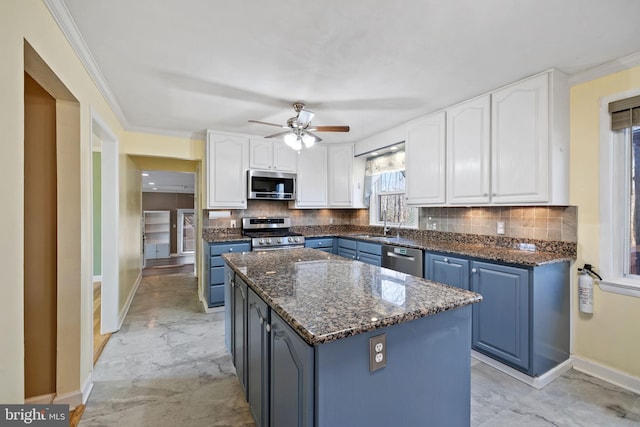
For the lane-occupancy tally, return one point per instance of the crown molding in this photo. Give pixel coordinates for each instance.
(605, 69)
(67, 25)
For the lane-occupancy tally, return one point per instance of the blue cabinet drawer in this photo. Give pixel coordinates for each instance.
(319, 243)
(216, 275)
(228, 248)
(370, 248)
(216, 261)
(347, 253)
(347, 244)
(216, 295)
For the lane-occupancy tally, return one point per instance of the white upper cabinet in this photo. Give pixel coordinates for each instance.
(341, 175)
(271, 155)
(520, 136)
(530, 141)
(469, 151)
(425, 160)
(227, 164)
(311, 191)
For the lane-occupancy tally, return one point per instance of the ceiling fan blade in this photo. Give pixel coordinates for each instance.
(267, 123)
(330, 128)
(275, 135)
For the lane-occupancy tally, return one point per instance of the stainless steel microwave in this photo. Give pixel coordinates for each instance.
(264, 185)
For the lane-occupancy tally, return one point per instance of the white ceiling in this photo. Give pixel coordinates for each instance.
(168, 182)
(181, 66)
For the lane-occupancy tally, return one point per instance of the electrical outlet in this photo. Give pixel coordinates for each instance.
(330, 220)
(233, 223)
(500, 227)
(377, 352)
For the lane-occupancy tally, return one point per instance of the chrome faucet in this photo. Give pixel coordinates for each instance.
(385, 229)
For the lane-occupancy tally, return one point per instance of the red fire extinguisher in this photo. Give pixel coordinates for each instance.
(585, 287)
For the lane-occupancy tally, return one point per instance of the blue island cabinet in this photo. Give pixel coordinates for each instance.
(214, 293)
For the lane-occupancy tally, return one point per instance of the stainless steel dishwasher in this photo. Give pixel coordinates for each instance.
(404, 260)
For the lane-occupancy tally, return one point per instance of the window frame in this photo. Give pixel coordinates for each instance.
(615, 152)
(374, 206)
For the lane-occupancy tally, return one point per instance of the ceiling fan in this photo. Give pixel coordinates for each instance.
(299, 128)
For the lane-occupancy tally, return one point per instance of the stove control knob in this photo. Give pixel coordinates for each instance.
(297, 239)
(268, 241)
(261, 242)
(290, 239)
(279, 240)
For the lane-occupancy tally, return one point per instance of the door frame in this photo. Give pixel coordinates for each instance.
(110, 289)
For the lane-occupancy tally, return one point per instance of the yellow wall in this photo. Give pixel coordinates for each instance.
(611, 336)
(30, 20)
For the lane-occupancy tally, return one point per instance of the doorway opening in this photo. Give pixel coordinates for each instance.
(168, 222)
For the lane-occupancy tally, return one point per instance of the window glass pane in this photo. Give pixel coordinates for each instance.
(634, 214)
(392, 207)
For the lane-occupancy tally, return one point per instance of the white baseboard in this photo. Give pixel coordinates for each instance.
(97, 279)
(610, 375)
(87, 389)
(535, 382)
(73, 399)
(45, 399)
(123, 313)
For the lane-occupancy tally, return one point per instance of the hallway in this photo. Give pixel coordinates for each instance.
(167, 366)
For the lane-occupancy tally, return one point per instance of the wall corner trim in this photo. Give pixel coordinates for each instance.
(606, 373)
(87, 389)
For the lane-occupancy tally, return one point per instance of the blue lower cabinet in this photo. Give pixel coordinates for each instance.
(501, 320)
(447, 269)
(292, 377)
(325, 244)
(214, 293)
(369, 253)
(258, 327)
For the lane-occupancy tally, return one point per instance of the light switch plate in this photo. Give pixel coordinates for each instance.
(377, 352)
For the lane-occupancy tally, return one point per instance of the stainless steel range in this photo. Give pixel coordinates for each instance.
(268, 234)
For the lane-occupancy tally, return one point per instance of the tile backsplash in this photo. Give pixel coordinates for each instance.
(556, 223)
(522, 222)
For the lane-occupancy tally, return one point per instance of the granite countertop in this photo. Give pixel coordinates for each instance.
(325, 297)
(487, 250)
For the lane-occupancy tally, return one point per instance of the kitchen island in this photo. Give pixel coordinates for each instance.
(301, 323)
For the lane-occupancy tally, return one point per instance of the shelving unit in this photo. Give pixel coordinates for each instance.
(157, 226)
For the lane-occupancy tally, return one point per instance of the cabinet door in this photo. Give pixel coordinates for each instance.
(240, 332)
(341, 175)
(284, 158)
(448, 270)
(229, 288)
(258, 358)
(260, 154)
(368, 258)
(520, 142)
(468, 152)
(227, 162)
(501, 321)
(311, 189)
(425, 160)
(292, 370)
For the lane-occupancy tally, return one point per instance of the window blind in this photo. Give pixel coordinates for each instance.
(625, 113)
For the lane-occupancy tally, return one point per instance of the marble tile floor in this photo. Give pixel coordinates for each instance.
(167, 366)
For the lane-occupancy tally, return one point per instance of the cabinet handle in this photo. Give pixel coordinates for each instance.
(268, 327)
(230, 249)
(233, 284)
(485, 194)
(446, 260)
(260, 319)
(474, 270)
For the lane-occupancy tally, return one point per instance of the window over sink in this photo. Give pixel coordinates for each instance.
(385, 191)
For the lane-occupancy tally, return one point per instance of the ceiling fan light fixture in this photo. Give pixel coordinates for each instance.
(308, 140)
(290, 139)
(305, 116)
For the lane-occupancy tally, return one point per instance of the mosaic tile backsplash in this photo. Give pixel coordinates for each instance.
(554, 223)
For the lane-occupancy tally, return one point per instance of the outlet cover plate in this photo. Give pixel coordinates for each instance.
(377, 352)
